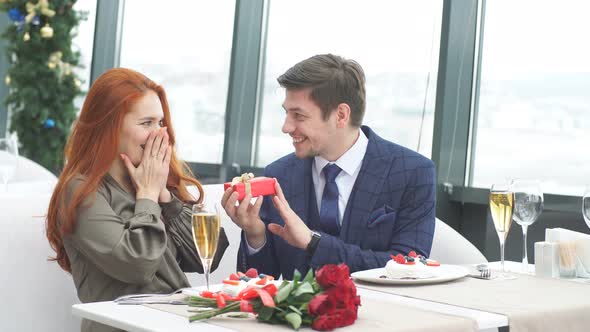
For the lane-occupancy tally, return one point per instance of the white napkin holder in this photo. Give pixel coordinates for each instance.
(547, 259)
(582, 247)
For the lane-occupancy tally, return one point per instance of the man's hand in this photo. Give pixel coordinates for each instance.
(246, 216)
(295, 231)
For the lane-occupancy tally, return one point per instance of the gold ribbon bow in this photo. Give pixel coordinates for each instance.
(245, 179)
(41, 7)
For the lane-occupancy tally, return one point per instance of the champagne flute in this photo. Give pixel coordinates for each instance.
(586, 206)
(206, 227)
(8, 160)
(501, 205)
(528, 205)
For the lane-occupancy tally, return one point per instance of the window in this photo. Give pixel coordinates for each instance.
(83, 42)
(534, 114)
(186, 47)
(396, 43)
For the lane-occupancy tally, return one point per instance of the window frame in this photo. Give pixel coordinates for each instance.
(456, 109)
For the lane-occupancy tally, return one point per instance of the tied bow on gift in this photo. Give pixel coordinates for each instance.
(248, 184)
(245, 179)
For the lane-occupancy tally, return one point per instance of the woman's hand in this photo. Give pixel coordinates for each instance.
(150, 176)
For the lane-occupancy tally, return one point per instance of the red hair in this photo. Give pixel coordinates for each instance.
(92, 148)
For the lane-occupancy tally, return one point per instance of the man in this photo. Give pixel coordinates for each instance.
(346, 195)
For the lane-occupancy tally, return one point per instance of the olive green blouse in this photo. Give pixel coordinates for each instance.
(122, 246)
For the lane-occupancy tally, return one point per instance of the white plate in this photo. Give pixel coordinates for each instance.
(445, 272)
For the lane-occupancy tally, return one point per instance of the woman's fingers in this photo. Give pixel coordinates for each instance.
(167, 156)
(163, 147)
(148, 147)
(157, 144)
(128, 164)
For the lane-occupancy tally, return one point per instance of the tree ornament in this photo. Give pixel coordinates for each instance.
(47, 31)
(42, 7)
(49, 123)
(54, 60)
(36, 66)
(66, 68)
(15, 15)
(26, 37)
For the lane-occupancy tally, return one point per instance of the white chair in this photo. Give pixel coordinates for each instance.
(30, 178)
(36, 294)
(213, 194)
(450, 247)
(29, 171)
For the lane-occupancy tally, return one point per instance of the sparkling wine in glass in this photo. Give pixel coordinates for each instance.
(501, 205)
(528, 205)
(8, 160)
(586, 206)
(206, 226)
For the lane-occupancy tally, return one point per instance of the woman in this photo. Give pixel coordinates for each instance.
(118, 218)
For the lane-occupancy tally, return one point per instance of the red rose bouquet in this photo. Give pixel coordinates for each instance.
(324, 302)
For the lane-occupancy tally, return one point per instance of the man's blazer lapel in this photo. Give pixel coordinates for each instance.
(300, 185)
(367, 187)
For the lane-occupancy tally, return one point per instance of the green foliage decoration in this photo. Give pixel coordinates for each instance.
(41, 80)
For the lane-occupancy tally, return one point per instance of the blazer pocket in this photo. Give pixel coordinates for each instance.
(384, 214)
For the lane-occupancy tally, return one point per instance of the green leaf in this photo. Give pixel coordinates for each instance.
(303, 298)
(294, 320)
(296, 276)
(304, 306)
(316, 286)
(295, 310)
(304, 288)
(265, 313)
(283, 292)
(239, 315)
(308, 276)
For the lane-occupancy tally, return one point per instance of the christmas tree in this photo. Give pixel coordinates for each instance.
(41, 81)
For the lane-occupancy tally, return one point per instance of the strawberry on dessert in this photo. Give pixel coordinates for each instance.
(239, 281)
(412, 266)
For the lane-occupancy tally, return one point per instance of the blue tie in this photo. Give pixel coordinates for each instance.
(329, 208)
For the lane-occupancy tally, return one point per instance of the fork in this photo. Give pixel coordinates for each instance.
(131, 297)
(149, 301)
(484, 271)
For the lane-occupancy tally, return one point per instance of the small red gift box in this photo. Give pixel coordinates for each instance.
(260, 186)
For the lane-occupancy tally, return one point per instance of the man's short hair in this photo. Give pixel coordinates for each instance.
(333, 80)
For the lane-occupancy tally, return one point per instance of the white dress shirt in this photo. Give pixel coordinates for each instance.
(350, 163)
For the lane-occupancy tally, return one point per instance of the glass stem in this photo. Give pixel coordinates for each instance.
(525, 260)
(206, 263)
(502, 253)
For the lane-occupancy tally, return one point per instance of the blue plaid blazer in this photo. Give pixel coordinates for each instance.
(391, 210)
